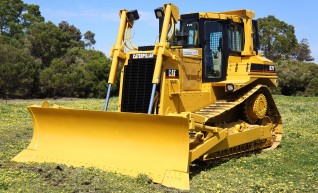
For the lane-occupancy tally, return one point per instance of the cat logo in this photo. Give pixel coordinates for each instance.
(172, 73)
(141, 56)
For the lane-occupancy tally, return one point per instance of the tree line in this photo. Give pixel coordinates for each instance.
(40, 59)
(297, 74)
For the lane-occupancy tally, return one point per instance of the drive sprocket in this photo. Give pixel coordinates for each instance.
(255, 107)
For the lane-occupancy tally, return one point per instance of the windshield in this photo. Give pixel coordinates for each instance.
(191, 28)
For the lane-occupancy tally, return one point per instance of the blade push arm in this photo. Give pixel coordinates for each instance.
(171, 16)
(117, 51)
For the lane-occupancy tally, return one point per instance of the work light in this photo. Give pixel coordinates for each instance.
(132, 15)
(159, 12)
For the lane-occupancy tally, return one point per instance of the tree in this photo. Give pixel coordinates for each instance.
(302, 51)
(73, 32)
(89, 39)
(47, 41)
(277, 38)
(31, 14)
(79, 73)
(16, 17)
(40, 59)
(10, 12)
(18, 72)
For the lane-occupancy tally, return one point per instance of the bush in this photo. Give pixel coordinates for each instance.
(18, 75)
(80, 73)
(297, 78)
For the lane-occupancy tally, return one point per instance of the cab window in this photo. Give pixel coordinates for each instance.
(213, 49)
(235, 37)
(191, 28)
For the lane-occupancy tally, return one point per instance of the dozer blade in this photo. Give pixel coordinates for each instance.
(126, 143)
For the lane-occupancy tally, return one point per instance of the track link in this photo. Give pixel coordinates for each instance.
(224, 105)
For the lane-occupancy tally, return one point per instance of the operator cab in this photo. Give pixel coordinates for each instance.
(217, 38)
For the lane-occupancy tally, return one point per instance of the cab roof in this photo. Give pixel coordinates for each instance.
(235, 15)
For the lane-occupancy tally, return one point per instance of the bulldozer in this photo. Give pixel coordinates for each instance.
(200, 93)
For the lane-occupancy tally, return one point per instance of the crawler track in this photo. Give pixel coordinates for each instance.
(220, 110)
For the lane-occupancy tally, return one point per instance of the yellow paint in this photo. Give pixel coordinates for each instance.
(159, 145)
(127, 143)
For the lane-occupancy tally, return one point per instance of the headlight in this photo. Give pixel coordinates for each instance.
(229, 88)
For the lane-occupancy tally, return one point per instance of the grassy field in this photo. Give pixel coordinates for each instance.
(292, 167)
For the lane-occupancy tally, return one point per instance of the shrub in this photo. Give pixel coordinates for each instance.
(18, 75)
(297, 78)
(80, 73)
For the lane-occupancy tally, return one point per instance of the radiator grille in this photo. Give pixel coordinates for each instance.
(137, 85)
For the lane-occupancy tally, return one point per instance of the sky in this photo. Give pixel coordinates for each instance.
(102, 16)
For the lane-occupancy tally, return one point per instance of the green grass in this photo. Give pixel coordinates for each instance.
(290, 168)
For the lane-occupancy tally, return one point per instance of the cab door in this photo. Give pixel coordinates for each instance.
(214, 51)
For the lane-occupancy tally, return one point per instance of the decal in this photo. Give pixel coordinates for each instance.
(141, 56)
(271, 68)
(172, 73)
(263, 68)
(190, 52)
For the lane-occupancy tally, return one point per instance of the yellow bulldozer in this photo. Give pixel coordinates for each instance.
(200, 93)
